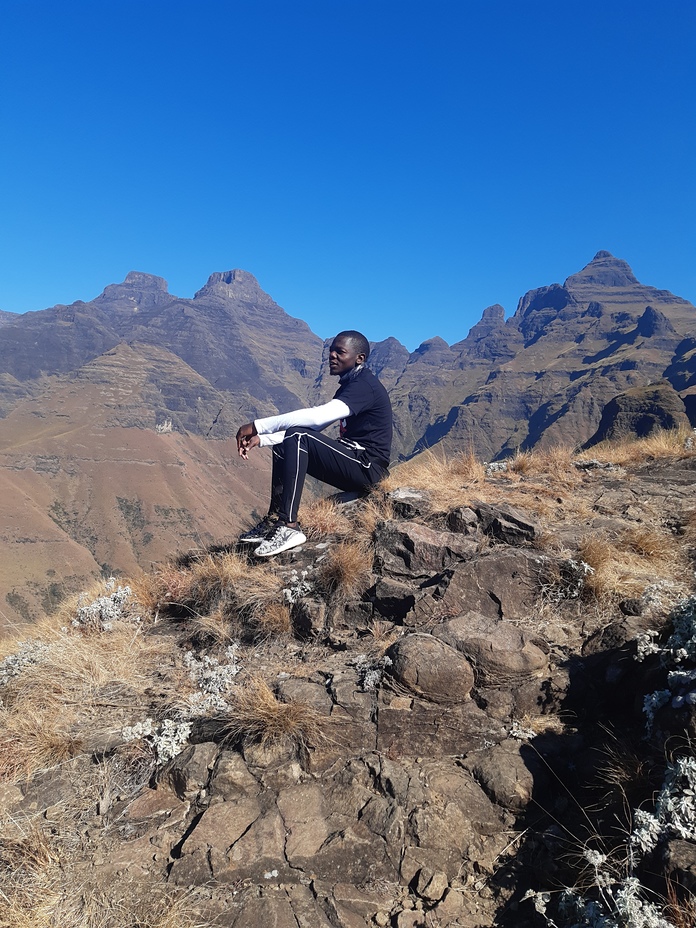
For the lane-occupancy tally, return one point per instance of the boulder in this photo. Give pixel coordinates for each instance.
(430, 668)
(501, 584)
(506, 524)
(413, 550)
(499, 651)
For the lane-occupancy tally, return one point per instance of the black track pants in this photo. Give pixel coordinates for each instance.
(306, 451)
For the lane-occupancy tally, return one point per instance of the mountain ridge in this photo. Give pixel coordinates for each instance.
(138, 359)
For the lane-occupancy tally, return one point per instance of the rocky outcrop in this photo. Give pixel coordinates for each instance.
(450, 712)
(641, 411)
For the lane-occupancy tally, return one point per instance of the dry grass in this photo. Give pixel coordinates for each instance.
(216, 629)
(346, 569)
(631, 451)
(258, 715)
(626, 565)
(323, 517)
(555, 464)
(77, 682)
(443, 476)
(680, 906)
(688, 528)
(47, 901)
(273, 620)
(221, 591)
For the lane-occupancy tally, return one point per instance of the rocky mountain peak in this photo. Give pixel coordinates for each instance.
(653, 322)
(138, 289)
(604, 270)
(236, 284)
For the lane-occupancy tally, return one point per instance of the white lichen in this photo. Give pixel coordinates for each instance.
(101, 613)
(299, 586)
(167, 739)
(30, 652)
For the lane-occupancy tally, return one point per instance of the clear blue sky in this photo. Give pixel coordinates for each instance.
(388, 165)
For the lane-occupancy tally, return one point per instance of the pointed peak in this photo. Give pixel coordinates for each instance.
(604, 270)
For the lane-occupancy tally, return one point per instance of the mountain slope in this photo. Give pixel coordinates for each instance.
(93, 479)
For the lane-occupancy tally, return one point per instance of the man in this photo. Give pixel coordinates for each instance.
(358, 460)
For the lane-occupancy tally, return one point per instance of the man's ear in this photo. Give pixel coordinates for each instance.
(359, 359)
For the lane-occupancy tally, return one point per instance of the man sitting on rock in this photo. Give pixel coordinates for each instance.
(356, 461)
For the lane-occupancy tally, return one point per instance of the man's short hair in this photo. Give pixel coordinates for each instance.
(358, 341)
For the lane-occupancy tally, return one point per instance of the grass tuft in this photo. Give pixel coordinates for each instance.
(346, 569)
(259, 716)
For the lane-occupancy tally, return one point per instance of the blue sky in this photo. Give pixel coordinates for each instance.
(388, 165)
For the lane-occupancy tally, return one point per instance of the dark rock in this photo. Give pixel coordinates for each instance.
(679, 864)
(464, 521)
(409, 503)
(413, 727)
(189, 772)
(640, 411)
(506, 524)
(392, 599)
(500, 652)
(500, 584)
(509, 772)
(309, 617)
(414, 550)
(430, 668)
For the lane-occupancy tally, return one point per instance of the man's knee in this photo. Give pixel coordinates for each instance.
(296, 430)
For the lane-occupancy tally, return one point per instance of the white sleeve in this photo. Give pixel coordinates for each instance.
(315, 417)
(274, 438)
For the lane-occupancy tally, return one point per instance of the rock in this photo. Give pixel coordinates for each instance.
(432, 885)
(508, 772)
(430, 668)
(232, 776)
(679, 863)
(409, 503)
(463, 521)
(429, 728)
(500, 652)
(506, 524)
(640, 411)
(309, 617)
(189, 772)
(413, 550)
(305, 823)
(502, 583)
(392, 599)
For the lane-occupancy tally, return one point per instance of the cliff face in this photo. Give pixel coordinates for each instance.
(545, 374)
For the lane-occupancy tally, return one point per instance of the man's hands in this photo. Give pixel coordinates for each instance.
(247, 438)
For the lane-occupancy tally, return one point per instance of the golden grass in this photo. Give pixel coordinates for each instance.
(223, 593)
(272, 620)
(346, 569)
(258, 715)
(443, 476)
(48, 901)
(217, 628)
(322, 517)
(626, 565)
(632, 451)
(49, 702)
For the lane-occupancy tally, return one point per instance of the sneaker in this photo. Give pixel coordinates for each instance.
(281, 539)
(255, 535)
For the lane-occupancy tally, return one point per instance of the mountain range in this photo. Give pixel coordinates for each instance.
(118, 414)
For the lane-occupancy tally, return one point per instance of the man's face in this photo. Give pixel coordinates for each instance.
(343, 357)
